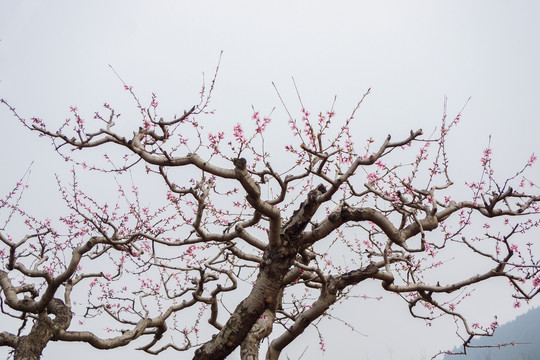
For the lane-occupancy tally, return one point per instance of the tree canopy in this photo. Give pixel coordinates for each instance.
(236, 241)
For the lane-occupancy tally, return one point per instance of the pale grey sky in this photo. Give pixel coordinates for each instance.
(54, 54)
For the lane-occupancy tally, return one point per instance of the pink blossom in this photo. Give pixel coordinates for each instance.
(239, 133)
(328, 262)
(372, 177)
(322, 345)
(154, 102)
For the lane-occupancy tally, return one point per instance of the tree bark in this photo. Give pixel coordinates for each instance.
(249, 349)
(31, 346)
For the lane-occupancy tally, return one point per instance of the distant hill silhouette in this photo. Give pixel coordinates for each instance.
(524, 329)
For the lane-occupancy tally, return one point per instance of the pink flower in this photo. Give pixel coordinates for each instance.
(322, 345)
(239, 133)
(372, 177)
(154, 102)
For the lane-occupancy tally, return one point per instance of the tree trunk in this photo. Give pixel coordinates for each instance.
(31, 346)
(278, 257)
(263, 296)
(249, 349)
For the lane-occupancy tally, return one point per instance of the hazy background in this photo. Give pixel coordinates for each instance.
(55, 54)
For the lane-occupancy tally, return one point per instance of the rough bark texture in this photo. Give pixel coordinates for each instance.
(31, 346)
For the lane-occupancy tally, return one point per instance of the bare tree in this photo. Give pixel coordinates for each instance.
(256, 246)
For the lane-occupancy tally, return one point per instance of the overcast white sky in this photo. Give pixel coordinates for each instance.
(412, 54)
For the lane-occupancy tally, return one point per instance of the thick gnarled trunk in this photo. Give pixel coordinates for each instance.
(277, 260)
(30, 347)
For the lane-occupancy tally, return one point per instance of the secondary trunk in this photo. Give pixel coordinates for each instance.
(249, 349)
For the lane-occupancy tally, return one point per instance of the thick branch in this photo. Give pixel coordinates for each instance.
(327, 298)
(7, 339)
